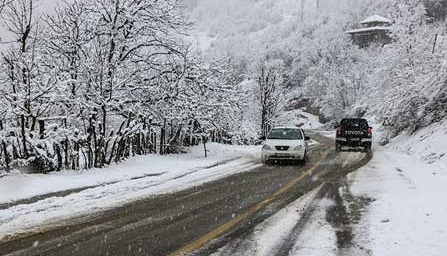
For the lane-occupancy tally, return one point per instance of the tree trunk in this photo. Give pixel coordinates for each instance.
(204, 140)
(41, 129)
(162, 138)
(67, 158)
(104, 119)
(59, 156)
(25, 150)
(6, 156)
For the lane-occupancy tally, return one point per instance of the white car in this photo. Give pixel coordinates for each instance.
(285, 143)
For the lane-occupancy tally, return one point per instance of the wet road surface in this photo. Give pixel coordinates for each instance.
(198, 220)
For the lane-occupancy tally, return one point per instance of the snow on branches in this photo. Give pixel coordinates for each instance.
(97, 81)
(401, 81)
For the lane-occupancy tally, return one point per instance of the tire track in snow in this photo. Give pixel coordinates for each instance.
(52, 211)
(64, 193)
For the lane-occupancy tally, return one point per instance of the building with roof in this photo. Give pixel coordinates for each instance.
(374, 29)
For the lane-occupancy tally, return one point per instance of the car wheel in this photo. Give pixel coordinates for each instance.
(367, 147)
(337, 146)
(304, 160)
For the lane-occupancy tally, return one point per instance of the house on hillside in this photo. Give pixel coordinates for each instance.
(375, 29)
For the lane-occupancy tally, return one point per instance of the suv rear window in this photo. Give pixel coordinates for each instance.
(285, 134)
(354, 123)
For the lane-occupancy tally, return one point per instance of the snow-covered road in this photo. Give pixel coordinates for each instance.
(395, 205)
(273, 234)
(99, 190)
(16, 187)
(392, 206)
(307, 226)
(166, 223)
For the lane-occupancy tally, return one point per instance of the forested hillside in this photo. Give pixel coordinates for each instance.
(402, 83)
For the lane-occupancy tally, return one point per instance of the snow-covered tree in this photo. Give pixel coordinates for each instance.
(392, 82)
(97, 81)
(270, 84)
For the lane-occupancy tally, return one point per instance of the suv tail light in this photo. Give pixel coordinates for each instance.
(369, 130)
(338, 131)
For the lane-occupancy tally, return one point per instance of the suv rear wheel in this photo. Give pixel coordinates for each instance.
(367, 147)
(337, 146)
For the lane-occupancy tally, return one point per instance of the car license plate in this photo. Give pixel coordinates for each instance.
(281, 154)
(354, 139)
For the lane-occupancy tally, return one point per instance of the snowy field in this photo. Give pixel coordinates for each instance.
(406, 181)
(118, 184)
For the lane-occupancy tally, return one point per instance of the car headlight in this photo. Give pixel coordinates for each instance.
(299, 147)
(266, 147)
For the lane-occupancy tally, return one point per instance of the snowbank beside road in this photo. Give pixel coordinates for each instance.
(406, 181)
(18, 186)
(428, 144)
(113, 186)
(299, 118)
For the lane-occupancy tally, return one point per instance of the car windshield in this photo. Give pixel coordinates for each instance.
(285, 134)
(354, 123)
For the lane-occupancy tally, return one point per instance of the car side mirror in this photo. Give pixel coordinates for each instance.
(262, 138)
(307, 138)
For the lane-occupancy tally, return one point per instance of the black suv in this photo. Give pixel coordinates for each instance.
(353, 132)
